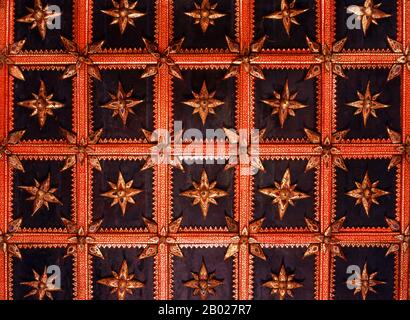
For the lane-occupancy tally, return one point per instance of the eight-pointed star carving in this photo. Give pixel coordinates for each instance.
(124, 14)
(367, 193)
(42, 194)
(284, 104)
(367, 104)
(205, 14)
(368, 13)
(42, 105)
(39, 16)
(204, 193)
(122, 193)
(41, 286)
(282, 284)
(122, 103)
(203, 282)
(364, 282)
(287, 14)
(284, 194)
(122, 282)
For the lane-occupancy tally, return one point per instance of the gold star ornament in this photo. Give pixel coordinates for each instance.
(326, 241)
(42, 105)
(203, 283)
(327, 56)
(38, 17)
(245, 240)
(204, 193)
(122, 193)
(368, 13)
(163, 58)
(284, 194)
(205, 14)
(124, 14)
(367, 193)
(364, 283)
(287, 14)
(161, 238)
(122, 103)
(42, 194)
(367, 104)
(122, 282)
(246, 58)
(282, 284)
(204, 103)
(82, 238)
(42, 286)
(284, 104)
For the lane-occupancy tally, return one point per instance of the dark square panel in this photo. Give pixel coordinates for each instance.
(192, 215)
(62, 91)
(274, 29)
(214, 37)
(112, 215)
(215, 263)
(50, 260)
(225, 91)
(306, 94)
(62, 181)
(376, 262)
(132, 36)
(345, 182)
(376, 128)
(143, 271)
(294, 215)
(292, 259)
(376, 36)
(33, 38)
(142, 89)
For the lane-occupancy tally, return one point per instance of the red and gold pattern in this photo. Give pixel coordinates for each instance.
(159, 242)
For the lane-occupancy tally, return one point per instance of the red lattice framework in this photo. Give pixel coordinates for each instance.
(163, 173)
